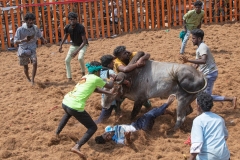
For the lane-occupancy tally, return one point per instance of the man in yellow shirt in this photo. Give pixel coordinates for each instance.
(192, 20)
(123, 57)
(74, 103)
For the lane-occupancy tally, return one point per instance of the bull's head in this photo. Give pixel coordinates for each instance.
(107, 99)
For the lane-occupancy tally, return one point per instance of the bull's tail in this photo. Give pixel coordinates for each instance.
(174, 77)
(194, 92)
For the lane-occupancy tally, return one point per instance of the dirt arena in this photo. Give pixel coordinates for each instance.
(30, 115)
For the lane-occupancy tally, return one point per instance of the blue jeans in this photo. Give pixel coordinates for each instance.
(211, 78)
(184, 42)
(105, 114)
(146, 122)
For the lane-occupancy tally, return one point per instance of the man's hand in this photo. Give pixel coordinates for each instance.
(44, 41)
(60, 49)
(74, 54)
(127, 83)
(30, 37)
(140, 63)
(114, 91)
(112, 76)
(195, 65)
(127, 137)
(184, 59)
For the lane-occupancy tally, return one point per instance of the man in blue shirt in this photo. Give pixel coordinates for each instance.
(209, 133)
(121, 133)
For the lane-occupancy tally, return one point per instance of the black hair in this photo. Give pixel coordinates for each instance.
(100, 140)
(95, 63)
(29, 16)
(72, 15)
(198, 33)
(198, 3)
(118, 50)
(106, 60)
(205, 101)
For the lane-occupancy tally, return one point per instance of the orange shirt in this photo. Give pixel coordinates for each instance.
(118, 62)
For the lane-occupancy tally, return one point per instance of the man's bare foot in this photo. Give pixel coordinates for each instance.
(57, 136)
(234, 102)
(77, 151)
(170, 99)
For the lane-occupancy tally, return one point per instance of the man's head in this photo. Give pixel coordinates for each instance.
(29, 19)
(105, 137)
(107, 61)
(204, 102)
(94, 67)
(197, 36)
(121, 53)
(72, 17)
(198, 6)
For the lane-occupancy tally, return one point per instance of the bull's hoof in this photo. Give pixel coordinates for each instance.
(172, 133)
(190, 110)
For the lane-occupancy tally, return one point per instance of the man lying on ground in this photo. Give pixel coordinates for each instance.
(121, 133)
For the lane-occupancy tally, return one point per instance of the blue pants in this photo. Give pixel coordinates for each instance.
(211, 78)
(146, 122)
(105, 114)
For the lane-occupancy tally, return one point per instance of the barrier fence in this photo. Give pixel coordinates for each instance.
(106, 18)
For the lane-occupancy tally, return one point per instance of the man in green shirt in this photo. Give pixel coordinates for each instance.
(74, 103)
(192, 20)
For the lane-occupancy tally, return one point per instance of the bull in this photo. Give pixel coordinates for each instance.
(160, 79)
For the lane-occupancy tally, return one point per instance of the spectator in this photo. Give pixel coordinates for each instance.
(209, 133)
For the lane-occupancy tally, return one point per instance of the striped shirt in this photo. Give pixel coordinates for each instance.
(119, 131)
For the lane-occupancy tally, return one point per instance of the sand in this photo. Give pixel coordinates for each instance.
(30, 115)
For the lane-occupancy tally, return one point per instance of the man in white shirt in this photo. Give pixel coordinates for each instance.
(209, 133)
(206, 63)
(121, 133)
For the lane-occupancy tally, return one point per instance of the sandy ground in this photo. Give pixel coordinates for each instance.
(30, 115)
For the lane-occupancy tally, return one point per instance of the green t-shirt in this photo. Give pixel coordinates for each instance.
(76, 99)
(193, 19)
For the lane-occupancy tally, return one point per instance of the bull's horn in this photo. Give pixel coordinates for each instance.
(120, 82)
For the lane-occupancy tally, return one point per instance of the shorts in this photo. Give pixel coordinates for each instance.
(25, 60)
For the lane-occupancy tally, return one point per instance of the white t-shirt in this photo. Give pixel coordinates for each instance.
(208, 137)
(210, 65)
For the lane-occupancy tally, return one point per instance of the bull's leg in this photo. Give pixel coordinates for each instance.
(183, 109)
(136, 109)
(189, 110)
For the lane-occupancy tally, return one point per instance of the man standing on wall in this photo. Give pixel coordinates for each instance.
(192, 20)
(79, 43)
(26, 37)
